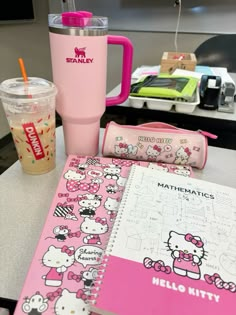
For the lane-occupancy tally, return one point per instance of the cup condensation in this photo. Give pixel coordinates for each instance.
(30, 111)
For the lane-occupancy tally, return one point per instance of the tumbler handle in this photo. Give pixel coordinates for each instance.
(126, 69)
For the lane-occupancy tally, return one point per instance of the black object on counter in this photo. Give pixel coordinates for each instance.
(210, 88)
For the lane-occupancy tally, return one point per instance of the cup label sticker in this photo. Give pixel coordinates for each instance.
(33, 140)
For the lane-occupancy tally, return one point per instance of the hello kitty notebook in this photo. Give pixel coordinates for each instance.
(75, 234)
(172, 250)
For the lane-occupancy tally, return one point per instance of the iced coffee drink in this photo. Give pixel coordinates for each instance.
(31, 117)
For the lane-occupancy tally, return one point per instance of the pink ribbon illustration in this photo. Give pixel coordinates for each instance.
(123, 145)
(52, 295)
(69, 252)
(182, 255)
(60, 195)
(190, 238)
(73, 276)
(219, 283)
(80, 295)
(157, 148)
(186, 150)
(75, 234)
(102, 221)
(156, 265)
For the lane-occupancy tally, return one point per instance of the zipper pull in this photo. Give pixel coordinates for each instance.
(207, 134)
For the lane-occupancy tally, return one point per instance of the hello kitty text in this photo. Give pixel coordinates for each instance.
(153, 139)
(182, 289)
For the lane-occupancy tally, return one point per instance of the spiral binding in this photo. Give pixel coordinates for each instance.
(111, 240)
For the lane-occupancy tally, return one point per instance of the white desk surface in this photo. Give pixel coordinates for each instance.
(197, 112)
(25, 201)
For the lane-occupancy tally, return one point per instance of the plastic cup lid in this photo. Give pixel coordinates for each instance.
(16, 88)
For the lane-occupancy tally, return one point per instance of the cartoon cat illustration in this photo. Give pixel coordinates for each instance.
(74, 182)
(36, 304)
(181, 170)
(58, 260)
(187, 251)
(153, 152)
(182, 155)
(111, 205)
(89, 204)
(112, 171)
(124, 150)
(94, 228)
(159, 167)
(71, 303)
(121, 181)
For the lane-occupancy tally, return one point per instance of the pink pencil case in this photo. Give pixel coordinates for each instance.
(157, 142)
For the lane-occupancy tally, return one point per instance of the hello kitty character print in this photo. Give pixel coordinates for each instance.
(58, 260)
(112, 171)
(111, 205)
(154, 151)
(74, 183)
(36, 304)
(187, 252)
(71, 303)
(94, 228)
(159, 167)
(125, 150)
(182, 155)
(89, 204)
(181, 170)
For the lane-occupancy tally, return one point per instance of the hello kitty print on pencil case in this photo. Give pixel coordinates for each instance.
(76, 232)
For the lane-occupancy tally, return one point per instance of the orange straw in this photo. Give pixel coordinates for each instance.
(22, 69)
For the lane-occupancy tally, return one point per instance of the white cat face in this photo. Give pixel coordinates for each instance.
(94, 226)
(58, 257)
(75, 175)
(151, 151)
(111, 204)
(163, 168)
(178, 242)
(121, 181)
(181, 153)
(121, 150)
(89, 200)
(68, 303)
(112, 169)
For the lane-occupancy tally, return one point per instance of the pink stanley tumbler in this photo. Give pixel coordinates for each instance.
(78, 43)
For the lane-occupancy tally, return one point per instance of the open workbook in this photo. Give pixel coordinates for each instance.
(172, 250)
(75, 234)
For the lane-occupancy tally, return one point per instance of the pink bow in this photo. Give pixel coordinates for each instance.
(63, 195)
(73, 276)
(126, 163)
(219, 283)
(157, 148)
(190, 238)
(63, 227)
(123, 145)
(52, 295)
(94, 173)
(182, 255)
(69, 252)
(80, 295)
(102, 221)
(211, 279)
(80, 172)
(186, 150)
(75, 234)
(72, 200)
(82, 198)
(156, 265)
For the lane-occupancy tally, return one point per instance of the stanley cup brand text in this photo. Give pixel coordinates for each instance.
(33, 140)
(80, 56)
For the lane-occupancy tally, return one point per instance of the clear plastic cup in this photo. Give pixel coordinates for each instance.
(30, 111)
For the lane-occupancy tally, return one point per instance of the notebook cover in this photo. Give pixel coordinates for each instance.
(172, 249)
(75, 234)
